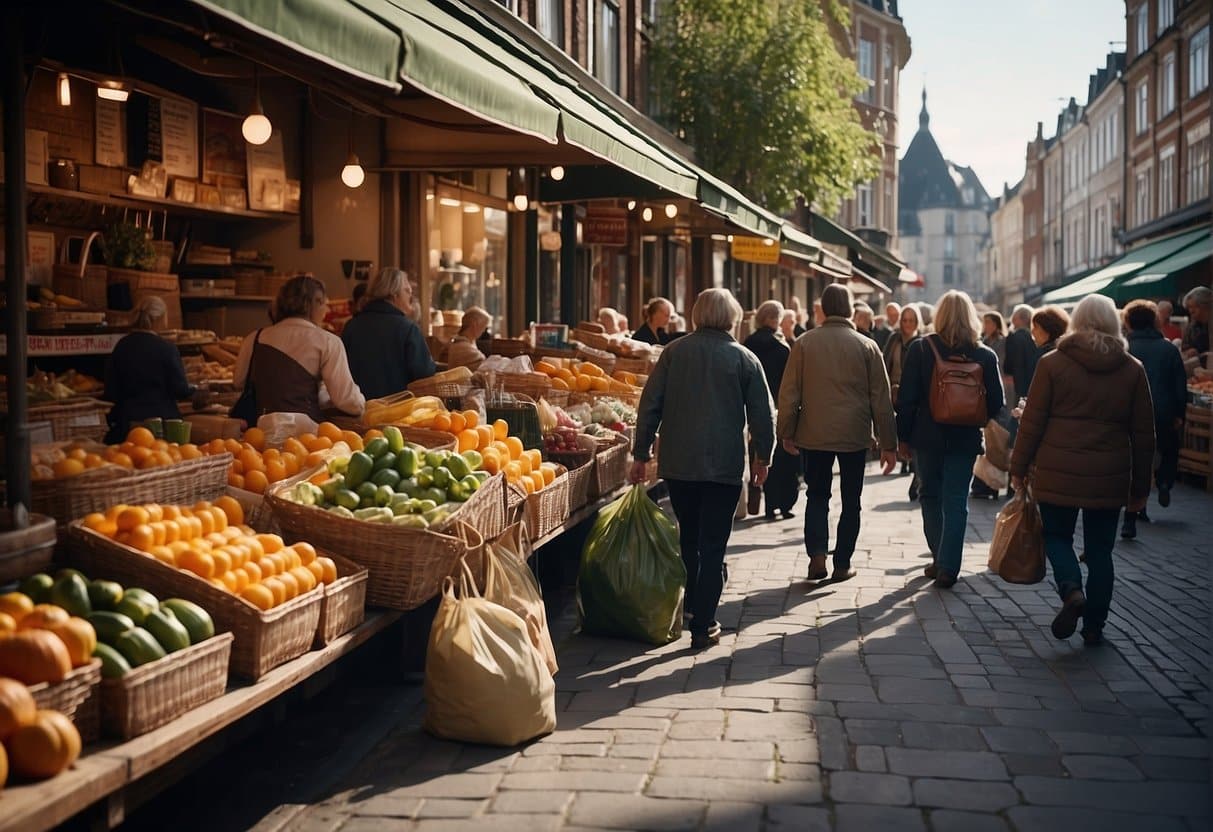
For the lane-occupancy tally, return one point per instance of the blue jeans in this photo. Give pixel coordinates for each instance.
(1098, 537)
(943, 493)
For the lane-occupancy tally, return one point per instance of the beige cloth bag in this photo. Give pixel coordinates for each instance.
(508, 581)
(484, 680)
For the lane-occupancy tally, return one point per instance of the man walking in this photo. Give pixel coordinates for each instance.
(886, 326)
(1022, 353)
(834, 389)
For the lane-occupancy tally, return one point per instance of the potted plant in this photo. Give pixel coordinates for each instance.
(126, 246)
(130, 258)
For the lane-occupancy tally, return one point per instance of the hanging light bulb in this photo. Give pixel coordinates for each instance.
(671, 210)
(557, 172)
(521, 202)
(256, 128)
(631, 205)
(647, 214)
(352, 174)
(112, 90)
(64, 87)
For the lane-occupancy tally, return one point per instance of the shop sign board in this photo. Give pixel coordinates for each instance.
(755, 250)
(605, 226)
(46, 345)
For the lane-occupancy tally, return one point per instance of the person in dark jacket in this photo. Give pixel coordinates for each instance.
(144, 377)
(1021, 353)
(1169, 391)
(1048, 325)
(386, 349)
(782, 486)
(944, 454)
(657, 313)
(894, 358)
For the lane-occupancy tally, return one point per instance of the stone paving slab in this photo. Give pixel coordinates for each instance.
(881, 703)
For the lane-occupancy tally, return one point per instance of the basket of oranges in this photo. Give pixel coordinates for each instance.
(91, 477)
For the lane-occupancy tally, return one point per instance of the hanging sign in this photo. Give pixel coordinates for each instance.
(605, 226)
(755, 250)
(179, 137)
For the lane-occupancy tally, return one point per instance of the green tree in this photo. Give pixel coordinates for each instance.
(759, 88)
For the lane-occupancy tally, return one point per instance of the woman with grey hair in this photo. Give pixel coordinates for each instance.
(703, 449)
(387, 350)
(463, 351)
(771, 346)
(144, 377)
(788, 326)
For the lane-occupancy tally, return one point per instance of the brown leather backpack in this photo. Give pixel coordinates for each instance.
(958, 390)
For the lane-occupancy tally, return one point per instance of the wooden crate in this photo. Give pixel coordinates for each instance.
(1196, 455)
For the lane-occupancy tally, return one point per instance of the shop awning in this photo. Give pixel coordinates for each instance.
(798, 244)
(721, 198)
(1127, 266)
(869, 283)
(876, 257)
(1164, 279)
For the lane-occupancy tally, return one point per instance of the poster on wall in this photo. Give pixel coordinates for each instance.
(179, 134)
(223, 147)
(267, 175)
(111, 134)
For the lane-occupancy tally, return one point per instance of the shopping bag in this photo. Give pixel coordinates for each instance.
(987, 472)
(1017, 550)
(508, 581)
(484, 680)
(998, 440)
(632, 578)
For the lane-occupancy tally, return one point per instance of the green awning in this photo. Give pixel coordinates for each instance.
(1162, 279)
(797, 243)
(876, 257)
(1122, 269)
(723, 199)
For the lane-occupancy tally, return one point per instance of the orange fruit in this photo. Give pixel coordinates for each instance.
(220, 517)
(373, 433)
(235, 481)
(320, 443)
(251, 542)
(223, 559)
(237, 467)
(442, 422)
(491, 461)
(230, 582)
(291, 583)
(314, 460)
(330, 569)
(279, 561)
(306, 552)
(232, 446)
(537, 480)
(16, 604)
(277, 587)
(76, 452)
(513, 471)
(290, 462)
(304, 577)
(256, 437)
(485, 436)
(140, 455)
(141, 437)
(524, 465)
(270, 543)
(560, 384)
(599, 384)
(329, 431)
(535, 456)
(252, 461)
(191, 527)
(471, 418)
(275, 471)
(119, 458)
(259, 595)
(182, 546)
(268, 567)
(548, 472)
(201, 564)
(292, 558)
(95, 521)
(317, 569)
(170, 512)
(132, 516)
(164, 554)
(256, 481)
(528, 485)
(252, 571)
(68, 468)
(216, 539)
(172, 531)
(294, 446)
(515, 446)
(468, 440)
(306, 439)
(231, 509)
(582, 384)
(232, 532)
(190, 451)
(352, 439)
(457, 422)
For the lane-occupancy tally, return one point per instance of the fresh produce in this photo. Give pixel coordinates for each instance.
(71, 593)
(110, 625)
(140, 451)
(34, 656)
(17, 707)
(16, 604)
(79, 637)
(256, 467)
(8, 625)
(139, 647)
(211, 542)
(411, 411)
(585, 377)
(167, 630)
(113, 664)
(165, 627)
(562, 440)
(43, 617)
(37, 587)
(44, 747)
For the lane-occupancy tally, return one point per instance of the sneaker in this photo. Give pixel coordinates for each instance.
(945, 580)
(1066, 621)
(711, 637)
(1128, 529)
(844, 573)
(931, 570)
(1164, 496)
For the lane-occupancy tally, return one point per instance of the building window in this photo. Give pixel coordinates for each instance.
(949, 274)
(1143, 107)
(887, 70)
(1166, 85)
(1166, 14)
(549, 20)
(867, 68)
(1141, 41)
(890, 218)
(949, 246)
(1166, 181)
(863, 205)
(949, 223)
(604, 42)
(1114, 136)
(1141, 192)
(1198, 170)
(1198, 62)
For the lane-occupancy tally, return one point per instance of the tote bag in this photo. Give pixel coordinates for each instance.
(1017, 550)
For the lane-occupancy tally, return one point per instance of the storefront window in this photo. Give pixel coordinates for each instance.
(651, 268)
(468, 252)
(608, 279)
(549, 265)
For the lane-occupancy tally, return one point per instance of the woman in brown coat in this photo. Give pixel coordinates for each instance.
(1086, 441)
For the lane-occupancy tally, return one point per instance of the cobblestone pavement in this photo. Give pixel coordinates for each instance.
(880, 703)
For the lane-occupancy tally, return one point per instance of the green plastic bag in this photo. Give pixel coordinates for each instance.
(632, 578)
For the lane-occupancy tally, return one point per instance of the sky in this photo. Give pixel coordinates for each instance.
(993, 69)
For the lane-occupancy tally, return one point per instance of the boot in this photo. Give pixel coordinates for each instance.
(1128, 531)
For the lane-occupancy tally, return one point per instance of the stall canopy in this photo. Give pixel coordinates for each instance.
(1104, 281)
(873, 256)
(1166, 278)
(798, 244)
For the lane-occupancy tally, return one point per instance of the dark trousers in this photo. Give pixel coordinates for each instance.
(705, 521)
(944, 497)
(1098, 538)
(818, 478)
(1166, 442)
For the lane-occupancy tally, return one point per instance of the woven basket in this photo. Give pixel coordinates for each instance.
(593, 340)
(406, 565)
(610, 468)
(579, 483)
(158, 692)
(434, 440)
(264, 639)
(547, 509)
(256, 512)
(73, 419)
(344, 604)
(522, 418)
(534, 385)
(75, 697)
(485, 511)
(184, 483)
(604, 359)
(508, 347)
(637, 366)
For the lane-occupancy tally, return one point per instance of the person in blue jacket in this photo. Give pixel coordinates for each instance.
(386, 349)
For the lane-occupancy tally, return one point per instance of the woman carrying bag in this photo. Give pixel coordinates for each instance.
(1087, 437)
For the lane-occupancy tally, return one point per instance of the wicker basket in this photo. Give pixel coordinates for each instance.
(450, 392)
(80, 418)
(593, 340)
(631, 398)
(344, 604)
(25, 551)
(636, 366)
(508, 347)
(406, 565)
(533, 385)
(522, 418)
(257, 513)
(434, 440)
(75, 697)
(610, 468)
(182, 484)
(579, 483)
(604, 359)
(156, 693)
(548, 508)
(264, 639)
(484, 511)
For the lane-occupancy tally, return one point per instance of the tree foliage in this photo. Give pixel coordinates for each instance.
(759, 88)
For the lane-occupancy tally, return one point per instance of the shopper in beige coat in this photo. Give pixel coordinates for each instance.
(834, 390)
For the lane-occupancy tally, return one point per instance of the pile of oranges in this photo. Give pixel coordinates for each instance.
(500, 451)
(256, 467)
(585, 377)
(141, 451)
(211, 541)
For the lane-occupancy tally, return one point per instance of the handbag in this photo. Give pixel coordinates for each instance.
(246, 406)
(998, 445)
(1017, 549)
(958, 390)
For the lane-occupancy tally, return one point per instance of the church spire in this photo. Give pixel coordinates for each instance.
(924, 118)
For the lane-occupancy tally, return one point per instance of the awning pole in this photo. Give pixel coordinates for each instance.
(17, 445)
